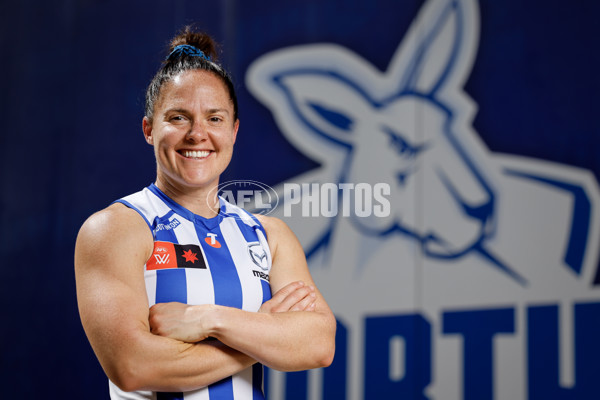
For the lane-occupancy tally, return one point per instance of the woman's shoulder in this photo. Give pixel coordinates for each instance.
(116, 226)
(270, 223)
(276, 229)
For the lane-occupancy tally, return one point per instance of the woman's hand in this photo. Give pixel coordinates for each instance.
(296, 296)
(189, 324)
(180, 321)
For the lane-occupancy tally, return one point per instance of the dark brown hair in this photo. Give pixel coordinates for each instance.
(178, 62)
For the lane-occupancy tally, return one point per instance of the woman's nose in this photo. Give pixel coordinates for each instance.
(197, 132)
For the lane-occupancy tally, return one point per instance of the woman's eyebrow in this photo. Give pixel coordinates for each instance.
(217, 110)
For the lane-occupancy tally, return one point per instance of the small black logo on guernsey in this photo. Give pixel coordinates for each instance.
(189, 256)
(261, 275)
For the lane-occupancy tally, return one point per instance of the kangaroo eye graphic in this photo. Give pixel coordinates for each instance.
(333, 117)
(402, 147)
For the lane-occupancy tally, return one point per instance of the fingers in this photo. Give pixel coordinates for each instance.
(286, 291)
(295, 296)
(307, 303)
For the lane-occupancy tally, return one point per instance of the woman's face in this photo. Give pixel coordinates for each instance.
(193, 131)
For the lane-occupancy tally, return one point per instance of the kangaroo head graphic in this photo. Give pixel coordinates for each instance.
(340, 111)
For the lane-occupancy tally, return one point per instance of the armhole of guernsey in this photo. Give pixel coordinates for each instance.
(145, 203)
(129, 205)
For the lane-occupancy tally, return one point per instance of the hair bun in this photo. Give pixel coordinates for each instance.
(199, 40)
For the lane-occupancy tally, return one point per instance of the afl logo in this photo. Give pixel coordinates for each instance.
(252, 196)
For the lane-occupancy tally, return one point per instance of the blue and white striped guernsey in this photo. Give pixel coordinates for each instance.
(223, 260)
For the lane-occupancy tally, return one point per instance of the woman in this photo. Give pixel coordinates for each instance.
(173, 283)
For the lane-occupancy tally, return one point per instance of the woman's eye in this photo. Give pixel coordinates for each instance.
(177, 119)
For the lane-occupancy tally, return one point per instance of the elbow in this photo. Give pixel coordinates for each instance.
(327, 360)
(128, 377)
(320, 357)
(326, 356)
(324, 361)
(323, 352)
(327, 352)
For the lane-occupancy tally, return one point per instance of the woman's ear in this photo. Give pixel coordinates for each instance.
(147, 128)
(236, 126)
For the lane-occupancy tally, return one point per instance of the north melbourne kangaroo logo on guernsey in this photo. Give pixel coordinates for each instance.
(172, 255)
(468, 228)
(258, 255)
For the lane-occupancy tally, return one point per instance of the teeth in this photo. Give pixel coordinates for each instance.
(196, 154)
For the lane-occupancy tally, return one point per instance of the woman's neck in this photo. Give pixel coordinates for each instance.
(201, 201)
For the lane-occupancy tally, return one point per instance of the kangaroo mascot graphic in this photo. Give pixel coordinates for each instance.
(470, 233)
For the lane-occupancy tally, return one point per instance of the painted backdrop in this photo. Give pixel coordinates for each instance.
(437, 159)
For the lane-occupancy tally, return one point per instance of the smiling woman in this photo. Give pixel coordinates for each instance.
(174, 283)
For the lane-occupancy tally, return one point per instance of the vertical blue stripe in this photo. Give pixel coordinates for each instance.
(266, 373)
(222, 390)
(257, 382)
(171, 285)
(226, 282)
(247, 231)
(296, 385)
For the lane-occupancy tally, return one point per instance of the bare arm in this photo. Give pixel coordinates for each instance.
(288, 341)
(112, 247)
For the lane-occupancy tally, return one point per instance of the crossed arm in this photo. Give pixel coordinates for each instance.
(162, 348)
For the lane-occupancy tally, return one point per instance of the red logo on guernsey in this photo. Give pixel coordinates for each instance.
(211, 240)
(171, 255)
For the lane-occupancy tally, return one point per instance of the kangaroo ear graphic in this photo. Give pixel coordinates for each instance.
(440, 47)
(329, 105)
(313, 97)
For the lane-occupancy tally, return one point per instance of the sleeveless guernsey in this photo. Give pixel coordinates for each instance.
(223, 260)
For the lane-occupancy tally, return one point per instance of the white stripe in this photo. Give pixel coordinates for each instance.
(200, 394)
(150, 278)
(265, 244)
(117, 394)
(238, 248)
(200, 289)
(186, 232)
(242, 384)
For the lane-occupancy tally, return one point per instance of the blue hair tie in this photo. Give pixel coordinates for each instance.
(188, 50)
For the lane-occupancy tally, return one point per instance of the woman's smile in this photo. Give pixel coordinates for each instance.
(195, 154)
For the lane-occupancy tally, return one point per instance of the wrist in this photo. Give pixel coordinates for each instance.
(212, 320)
